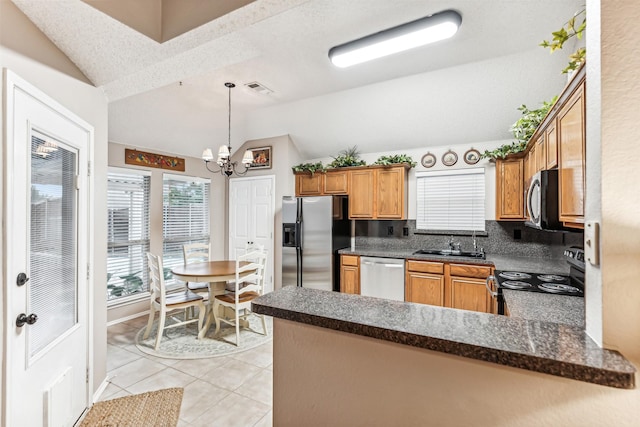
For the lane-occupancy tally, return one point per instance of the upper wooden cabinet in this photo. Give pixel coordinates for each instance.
(378, 192)
(336, 182)
(558, 142)
(571, 158)
(391, 194)
(362, 195)
(510, 189)
(375, 192)
(551, 138)
(541, 159)
(309, 184)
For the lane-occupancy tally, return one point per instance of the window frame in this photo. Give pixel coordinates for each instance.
(128, 299)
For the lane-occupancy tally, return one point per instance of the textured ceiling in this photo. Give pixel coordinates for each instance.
(170, 96)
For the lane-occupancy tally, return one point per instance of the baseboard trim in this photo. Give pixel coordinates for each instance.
(124, 319)
(100, 390)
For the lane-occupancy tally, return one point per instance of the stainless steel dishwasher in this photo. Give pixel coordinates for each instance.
(382, 278)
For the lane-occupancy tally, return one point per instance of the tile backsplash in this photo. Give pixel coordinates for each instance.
(500, 238)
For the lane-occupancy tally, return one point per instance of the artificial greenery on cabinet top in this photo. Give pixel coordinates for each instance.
(346, 158)
(392, 160)
(309, 167)
(523, 129)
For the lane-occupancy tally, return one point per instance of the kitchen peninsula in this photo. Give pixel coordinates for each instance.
(341, 349)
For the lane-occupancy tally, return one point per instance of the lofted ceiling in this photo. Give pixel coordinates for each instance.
(162, 65)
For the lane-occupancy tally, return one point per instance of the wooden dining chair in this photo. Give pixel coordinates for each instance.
(249, 247)
(165, 303)
(196, 252)
(248, 285)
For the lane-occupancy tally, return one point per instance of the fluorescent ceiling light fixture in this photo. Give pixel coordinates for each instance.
(420, 32)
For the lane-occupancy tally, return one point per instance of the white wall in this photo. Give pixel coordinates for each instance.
(445, 107)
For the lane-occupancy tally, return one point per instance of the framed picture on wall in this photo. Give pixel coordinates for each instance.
(261, 158)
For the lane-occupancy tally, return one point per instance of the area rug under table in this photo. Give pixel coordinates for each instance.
(159, 408)
(181, 342)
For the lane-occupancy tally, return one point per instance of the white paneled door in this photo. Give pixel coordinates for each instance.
(46, 200)
(251, 218)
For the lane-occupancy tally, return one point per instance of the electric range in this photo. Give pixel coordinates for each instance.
(556, 284)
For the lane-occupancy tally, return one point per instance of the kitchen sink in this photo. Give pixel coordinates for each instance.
(450, 252)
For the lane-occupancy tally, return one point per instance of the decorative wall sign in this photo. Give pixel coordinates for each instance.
(261, 158)
(449, 158)
(472, 156)
(428, 160)
(150, 160)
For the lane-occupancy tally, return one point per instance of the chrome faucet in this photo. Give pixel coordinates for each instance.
(475, 242)
(454, 246)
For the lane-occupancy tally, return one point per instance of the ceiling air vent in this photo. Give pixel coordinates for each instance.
(259, 87)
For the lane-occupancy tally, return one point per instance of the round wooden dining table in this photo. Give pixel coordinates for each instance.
(216, 273)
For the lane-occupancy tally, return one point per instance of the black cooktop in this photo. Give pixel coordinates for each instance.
(534, 282)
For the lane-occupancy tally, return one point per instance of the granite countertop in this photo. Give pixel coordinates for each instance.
(500, 262)
(547, 347)
(548, 307)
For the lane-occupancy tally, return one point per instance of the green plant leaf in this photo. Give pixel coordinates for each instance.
(309, 167)
(398, 158)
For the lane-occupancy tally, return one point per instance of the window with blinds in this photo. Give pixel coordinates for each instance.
(451, 200)
(127, 232)
(185, 216)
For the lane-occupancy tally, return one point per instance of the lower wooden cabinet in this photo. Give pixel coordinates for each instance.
(470, 294)
(424, 282)
(350, 274)
(460, 286)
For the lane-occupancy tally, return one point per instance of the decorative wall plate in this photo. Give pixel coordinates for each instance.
(428, 160)
(472, 156)
(449, 158)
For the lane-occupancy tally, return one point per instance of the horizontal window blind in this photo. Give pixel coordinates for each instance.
(185, 216)
(451, 200)
(127, 232)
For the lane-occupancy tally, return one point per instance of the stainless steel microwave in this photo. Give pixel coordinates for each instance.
(542, 201)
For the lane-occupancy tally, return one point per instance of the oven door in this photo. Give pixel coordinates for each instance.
(497, 302)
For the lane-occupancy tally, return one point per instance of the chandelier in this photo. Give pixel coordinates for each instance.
(227, 167)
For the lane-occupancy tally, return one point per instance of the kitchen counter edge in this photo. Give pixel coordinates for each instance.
(545, 347)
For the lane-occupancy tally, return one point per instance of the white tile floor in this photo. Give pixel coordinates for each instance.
(227, 391)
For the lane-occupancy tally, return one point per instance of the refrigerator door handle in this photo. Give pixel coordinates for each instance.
(299, 266)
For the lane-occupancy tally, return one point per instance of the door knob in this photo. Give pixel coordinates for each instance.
(23, 318)
(21, 279)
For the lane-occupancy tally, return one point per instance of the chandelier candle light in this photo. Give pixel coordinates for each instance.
(227, 167)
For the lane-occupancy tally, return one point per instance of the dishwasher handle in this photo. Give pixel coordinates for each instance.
(383, 264)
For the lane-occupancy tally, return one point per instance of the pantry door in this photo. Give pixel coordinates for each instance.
(46, 283)
(251, 218)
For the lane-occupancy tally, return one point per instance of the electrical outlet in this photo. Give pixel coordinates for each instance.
(592, 242)
(390, 230)
(405, 231)
(517, 234)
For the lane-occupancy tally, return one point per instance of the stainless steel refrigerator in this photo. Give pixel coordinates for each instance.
(313, 230)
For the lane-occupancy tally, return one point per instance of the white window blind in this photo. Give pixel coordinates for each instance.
(185, 216)
(127, 232)
(451, 200)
